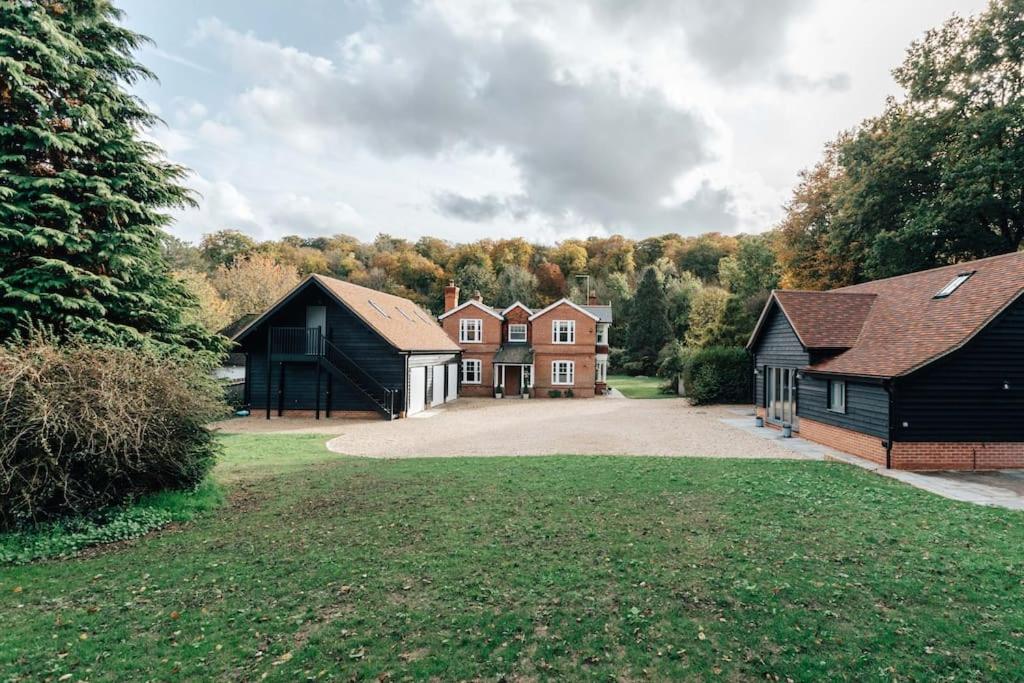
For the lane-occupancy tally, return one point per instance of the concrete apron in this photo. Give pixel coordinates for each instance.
(1000, 488)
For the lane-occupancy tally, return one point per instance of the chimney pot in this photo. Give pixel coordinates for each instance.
(477, 296)
(451, 296)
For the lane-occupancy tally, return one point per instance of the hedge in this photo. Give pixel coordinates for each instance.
(719, 375)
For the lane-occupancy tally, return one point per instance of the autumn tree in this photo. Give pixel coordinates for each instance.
(707, 318)
(550, 283)
(700, 255)
(213, 312)
(936, 178)
(221, 248)
(751, 270)
(571, 257)
(516, 284)
(512, 252)
(252, 284)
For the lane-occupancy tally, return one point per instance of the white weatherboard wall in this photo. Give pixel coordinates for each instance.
(437, 397)
(453, 381)
(417, 390)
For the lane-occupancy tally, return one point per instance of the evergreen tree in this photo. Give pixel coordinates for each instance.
(82, 195)
(649, 328)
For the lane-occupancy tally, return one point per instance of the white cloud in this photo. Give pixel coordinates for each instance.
(216, 133)
(470, 118)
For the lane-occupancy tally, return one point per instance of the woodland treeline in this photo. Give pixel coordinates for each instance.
(936, 178)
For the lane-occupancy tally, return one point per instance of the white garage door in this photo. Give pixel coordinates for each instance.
(438, 388)
(417, 389)
(453, 382)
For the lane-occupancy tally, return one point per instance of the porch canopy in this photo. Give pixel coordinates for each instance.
(515, 355)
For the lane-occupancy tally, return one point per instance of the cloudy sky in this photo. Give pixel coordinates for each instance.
(492, 118)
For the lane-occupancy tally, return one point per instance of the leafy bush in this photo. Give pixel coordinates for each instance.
(617, 359)
(83, 428)
(554, 393)
(68, 536)
(718, 375)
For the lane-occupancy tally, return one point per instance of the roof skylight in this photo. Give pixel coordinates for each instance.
(953, 285)
(404, 314)
(377, 308)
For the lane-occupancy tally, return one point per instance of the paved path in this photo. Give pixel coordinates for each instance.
(1001, 488)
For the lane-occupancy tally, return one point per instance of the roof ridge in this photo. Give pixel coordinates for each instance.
(959, 264)
(824, 291)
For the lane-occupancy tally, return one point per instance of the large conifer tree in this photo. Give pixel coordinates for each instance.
(82, 195)
(649, 327)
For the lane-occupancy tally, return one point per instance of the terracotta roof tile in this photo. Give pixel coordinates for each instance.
(826, 320)
(906, 327)
(404, 324)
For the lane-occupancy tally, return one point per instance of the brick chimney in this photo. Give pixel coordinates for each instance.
(592, 299)
(451, 296)
(478, 297)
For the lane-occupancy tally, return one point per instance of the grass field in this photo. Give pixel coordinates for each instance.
(639, 387)
(326, 567)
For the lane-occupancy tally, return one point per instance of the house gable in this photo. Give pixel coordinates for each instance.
(471, 303)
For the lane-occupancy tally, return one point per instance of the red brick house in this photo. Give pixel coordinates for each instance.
(921, 371)
(562, 347)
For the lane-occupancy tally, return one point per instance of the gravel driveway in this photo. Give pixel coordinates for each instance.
(599, 426)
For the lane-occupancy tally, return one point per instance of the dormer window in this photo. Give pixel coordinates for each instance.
(953, 285)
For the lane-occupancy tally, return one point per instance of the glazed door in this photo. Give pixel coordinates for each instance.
(782, 396)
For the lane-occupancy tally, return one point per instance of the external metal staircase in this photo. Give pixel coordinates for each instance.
(310, 344)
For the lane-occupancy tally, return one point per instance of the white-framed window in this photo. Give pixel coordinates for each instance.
(517, 332)
(563, 372)
(837, 395)
(471, 330)
(472, 371)
(602, 335)
(601, 370)
(563, 331)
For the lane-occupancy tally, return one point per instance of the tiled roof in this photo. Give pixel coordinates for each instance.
(826, 320)
(603, 312)
(514, 354)
(404, 324)
(905, 326)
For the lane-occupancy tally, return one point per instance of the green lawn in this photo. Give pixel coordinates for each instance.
(639, 387)
(322, 566)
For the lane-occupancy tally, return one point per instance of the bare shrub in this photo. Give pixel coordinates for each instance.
(83, 427)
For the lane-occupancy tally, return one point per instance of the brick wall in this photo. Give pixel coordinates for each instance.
(917, 456)
(846, 440)
(335, 414)
(957, 456)
(581, 353)
(483, 352)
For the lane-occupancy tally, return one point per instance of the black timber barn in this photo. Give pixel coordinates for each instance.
(921, 371)
(334, 348)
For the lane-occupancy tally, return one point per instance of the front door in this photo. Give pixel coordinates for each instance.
(316, 318)
(512, 383)
(782, 396)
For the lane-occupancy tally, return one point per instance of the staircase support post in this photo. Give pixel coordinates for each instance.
(318, 364)
(269, 356)
(280, 389)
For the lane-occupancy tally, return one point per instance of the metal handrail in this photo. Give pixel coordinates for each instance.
(311, 342)
(333, 353)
